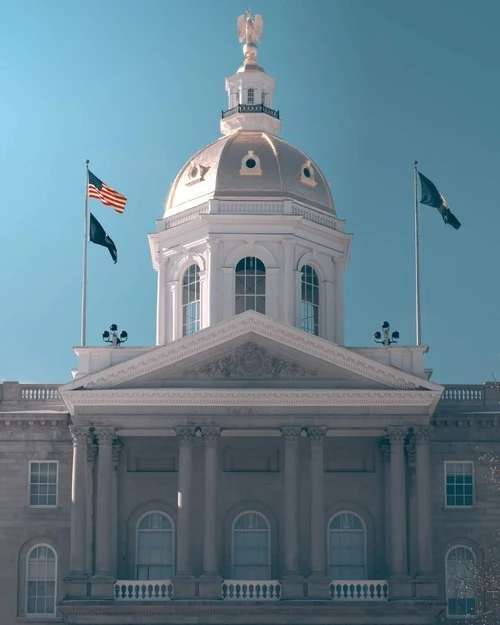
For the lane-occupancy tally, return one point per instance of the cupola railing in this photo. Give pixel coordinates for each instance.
(251, 108)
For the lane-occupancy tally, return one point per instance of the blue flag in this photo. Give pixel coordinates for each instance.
(430, 195)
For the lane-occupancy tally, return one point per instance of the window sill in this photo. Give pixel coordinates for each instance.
(40, 618)
(38, 509)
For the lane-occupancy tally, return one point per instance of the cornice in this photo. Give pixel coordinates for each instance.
(240, 325)
(253, 397)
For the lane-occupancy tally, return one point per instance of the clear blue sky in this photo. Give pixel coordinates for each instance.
(363, 86)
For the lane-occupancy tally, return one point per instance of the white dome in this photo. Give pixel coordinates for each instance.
(249, 164)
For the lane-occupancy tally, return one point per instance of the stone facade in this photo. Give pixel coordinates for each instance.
(298, 476)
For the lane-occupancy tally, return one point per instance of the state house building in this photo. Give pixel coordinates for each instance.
(250, 467)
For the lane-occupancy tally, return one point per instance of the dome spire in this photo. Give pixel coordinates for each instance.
(250, 90)
(250, 32)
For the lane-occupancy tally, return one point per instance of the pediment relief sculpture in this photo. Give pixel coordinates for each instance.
(250, 361)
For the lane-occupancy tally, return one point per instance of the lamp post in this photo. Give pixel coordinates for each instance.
(385, 338)
(112, 336)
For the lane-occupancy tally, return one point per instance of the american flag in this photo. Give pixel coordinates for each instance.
(107, 195)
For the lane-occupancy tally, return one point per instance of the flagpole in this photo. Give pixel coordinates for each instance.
(418, 320)
(85, 252)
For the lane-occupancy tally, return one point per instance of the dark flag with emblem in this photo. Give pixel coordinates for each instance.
(98, 235)
(430, 195)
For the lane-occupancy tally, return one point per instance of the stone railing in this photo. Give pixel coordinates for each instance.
(359, 590)
(463, 393)
(251, 590)
(139, 590)
(39, 392)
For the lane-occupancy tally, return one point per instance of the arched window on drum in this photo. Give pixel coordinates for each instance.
(250, 285)
(191, 309)
(309, 305)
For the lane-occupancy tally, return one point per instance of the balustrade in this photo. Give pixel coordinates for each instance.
(251, 590)
(463, 393)
(359, 590)
(35, 392)
(153, 590)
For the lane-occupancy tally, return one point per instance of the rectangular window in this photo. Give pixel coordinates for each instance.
(43, 483)
(459, 484)
(251, 96)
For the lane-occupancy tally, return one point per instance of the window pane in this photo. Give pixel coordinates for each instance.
(346, 553)
(459, 482)
(191, 312)
(40, 583)
(250, 285)
(251, 553)
(310, 300)
(154, 547)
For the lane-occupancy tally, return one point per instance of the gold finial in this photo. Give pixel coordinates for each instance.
(250, 32)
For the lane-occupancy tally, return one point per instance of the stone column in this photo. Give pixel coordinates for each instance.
(210, 580)
(115, 457)
(173, 310)
(210, 434)
(288, 282)
(91, 460)
(104, 520)
(399, 565)
(185, 434)
(161, 302)
(423, 483)
(327, 311)
(339, 301)
(316, 436)
(78, 536)
(385, 449)
(291, 435)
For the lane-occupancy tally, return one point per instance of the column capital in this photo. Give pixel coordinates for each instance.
(79, 434)
(185, 434)
(210, 432)
(104, 434)
(316, 433)
(421, 434)
(396, 433)
(385, 448)
(91, 452)
(291, 432)
(116, 450)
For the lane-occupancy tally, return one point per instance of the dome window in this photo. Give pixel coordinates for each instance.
(196, 173)
(307, 174)
(250, 165)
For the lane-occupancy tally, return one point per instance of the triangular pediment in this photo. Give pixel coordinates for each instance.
(251, 350)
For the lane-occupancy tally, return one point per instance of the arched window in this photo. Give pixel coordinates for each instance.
(191, 300)
(41, 576)
(250, 285)
(346, 547)
(155, 547)
(251, 552)
(309, 305)
(460, 577)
